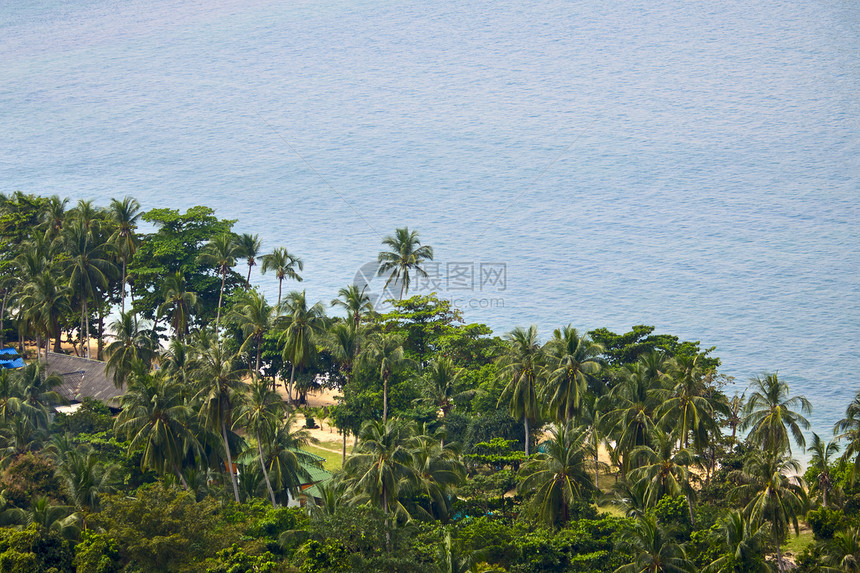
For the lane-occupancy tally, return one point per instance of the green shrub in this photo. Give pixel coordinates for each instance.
(825, 522)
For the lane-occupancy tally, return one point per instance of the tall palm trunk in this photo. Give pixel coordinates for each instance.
(526, 424)
(3, 315)
(290, 388)
(85, 323)
(248, 280)
(181, 477)
(55, 324)
(384, 398)
(123, 284)
(220, 298)
(230, 462)
(259, 351)
(265, 473)
(280, 286)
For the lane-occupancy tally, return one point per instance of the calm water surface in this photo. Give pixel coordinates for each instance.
(684, 164)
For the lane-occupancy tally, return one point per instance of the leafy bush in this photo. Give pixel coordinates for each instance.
(28, 477)
(825, 522)
(34, 550)
(92, 417)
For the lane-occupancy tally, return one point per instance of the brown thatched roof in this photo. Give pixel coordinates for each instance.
(83, 378)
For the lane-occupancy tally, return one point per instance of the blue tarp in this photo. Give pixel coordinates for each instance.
(12, 362)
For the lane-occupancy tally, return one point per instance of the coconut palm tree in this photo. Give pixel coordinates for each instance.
(178, 303)
(687, 409)
(85, 478)
(219, 391)
(664, 470)
(133, 344)
(54, 216)
(284, 264)
(260, 415)
(776, 492)
(255, 317)
(822, 457)
(848, 429)
(249, 246)
(842, 553)
(439, 469)
(286, 461)
(522, 368)
(303, 326)
(557, 474)
(631, 404)
(655, 551)
(354, 302)
(770, 415)
(38, 392)
(382, 465)
(221, 252)
(572, 359)
(124, 216)
(89, 271)
(441, 378)
(155, 416)
(406, 255)
(742, 541)
(45, 299)
(385, 352)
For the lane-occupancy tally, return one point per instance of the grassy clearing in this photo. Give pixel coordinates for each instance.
(332, 459)
(796, 545)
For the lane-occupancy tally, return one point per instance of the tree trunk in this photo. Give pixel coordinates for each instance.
(86, 318)
(290, 388)
(248, 280)
(100, 353)
(181, 477)
(56, 326)
(384, 398)
(385, 510)
(596, 460)
(779, 564)
(280, 286)
(259, 351)
(220, 298)
(526, 424)
(343, 454)
(265, 473)
(123, 284)
(3, 316)
(230, 462)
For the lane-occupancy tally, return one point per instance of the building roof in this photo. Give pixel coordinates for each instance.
(83, 378)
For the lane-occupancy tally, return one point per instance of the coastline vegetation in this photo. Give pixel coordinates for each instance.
(455, 449)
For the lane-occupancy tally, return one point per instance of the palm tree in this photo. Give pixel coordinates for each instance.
(219, 391)
(770, 415)
(124, 215)
(842, 553)
(406, 255)
(686, 409)
(255, 317)
(284, 264)
(260, 414)
(777, 495)
(385, 351)
(381, 465)
(354, 302)
(178, 303)
(155, 417)
(88, 270)
(438, 468)
(85, 478)
(630, 419)
(54, 216)
(821, 459)
(655, 550)
(521, 366)
(45, 300)
(303, 326)
(557, 474)
(38, 392)
(287, 462)
(572, 360)
(133, 344)
(742, 540)
(249, 246)
(664, 470)
(848, 428)
(441, 378)
(11, 395)
(221, 252)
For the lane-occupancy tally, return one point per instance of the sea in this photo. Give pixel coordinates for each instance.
(691, 165)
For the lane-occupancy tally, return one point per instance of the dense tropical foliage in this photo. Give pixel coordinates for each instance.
(456, 450)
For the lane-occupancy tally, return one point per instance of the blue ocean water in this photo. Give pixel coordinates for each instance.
(691, 165)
